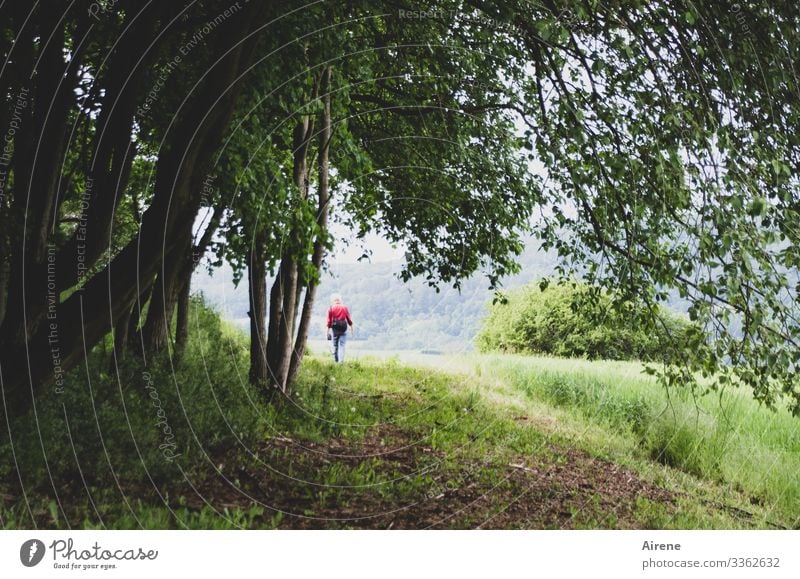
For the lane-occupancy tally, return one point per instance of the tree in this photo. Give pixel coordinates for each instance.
(370, 152)
(53, 310)
(577, 320)
(663, 143)
(670, 144)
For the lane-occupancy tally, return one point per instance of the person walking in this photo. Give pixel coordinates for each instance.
(337, 322)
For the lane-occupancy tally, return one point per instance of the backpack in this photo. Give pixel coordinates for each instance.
(339, 327)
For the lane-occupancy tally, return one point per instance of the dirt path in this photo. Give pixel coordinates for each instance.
(563, 488)
(395, 479)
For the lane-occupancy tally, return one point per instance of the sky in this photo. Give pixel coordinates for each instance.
(382, 250)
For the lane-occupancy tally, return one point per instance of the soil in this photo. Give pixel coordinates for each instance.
(401, 483)
(561, 488)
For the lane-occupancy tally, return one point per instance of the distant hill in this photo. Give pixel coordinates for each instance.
(388, 313)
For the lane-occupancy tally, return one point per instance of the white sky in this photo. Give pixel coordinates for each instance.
(382, 250)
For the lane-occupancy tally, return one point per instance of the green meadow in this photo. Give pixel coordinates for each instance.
(412, 441)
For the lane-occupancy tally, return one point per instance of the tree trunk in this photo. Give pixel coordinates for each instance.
(280, 370)
(38, 176)
(39, 359)
(198, 251)
(280, 333)
(113, 147)
(257, 287)
(182, 319)
(323, 198)
(284, 294)
(39, 146)
(275, 312)
(135, 340)
(4, 277)
(122, 335)
(171, 278)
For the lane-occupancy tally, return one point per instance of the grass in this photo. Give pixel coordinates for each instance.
(494, 441)
(727, 438)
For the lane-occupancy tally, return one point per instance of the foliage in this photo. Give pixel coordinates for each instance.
(658, 181)
(655, 144)
(572, 320)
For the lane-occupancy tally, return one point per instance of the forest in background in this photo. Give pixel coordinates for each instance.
(389, 314)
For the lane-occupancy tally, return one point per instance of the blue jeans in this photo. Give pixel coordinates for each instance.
(337, 347)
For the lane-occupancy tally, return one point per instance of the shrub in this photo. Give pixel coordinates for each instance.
(577, 320)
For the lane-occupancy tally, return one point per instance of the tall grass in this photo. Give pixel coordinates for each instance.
(725, 437)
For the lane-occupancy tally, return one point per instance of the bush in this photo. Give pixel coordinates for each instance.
(577, 320)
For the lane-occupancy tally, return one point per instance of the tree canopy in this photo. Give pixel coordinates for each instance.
(653, 145)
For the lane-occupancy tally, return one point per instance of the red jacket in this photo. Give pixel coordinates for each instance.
(338, 312)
